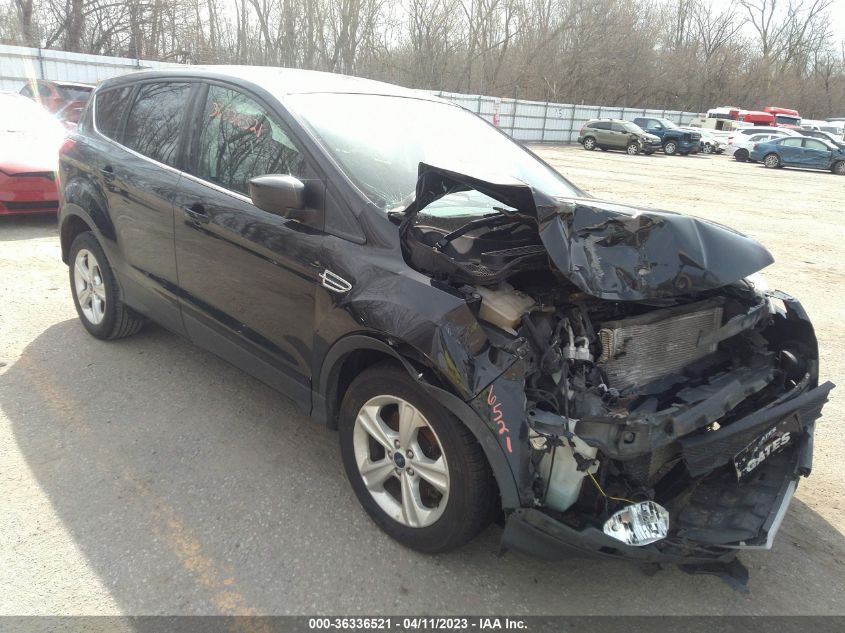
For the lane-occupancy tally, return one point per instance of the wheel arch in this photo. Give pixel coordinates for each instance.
(356, 352)
(84, 204)
(73, 223)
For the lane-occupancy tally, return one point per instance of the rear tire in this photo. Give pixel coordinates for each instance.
(389, 427)
(839, 168)
(670, 148)
(96, 294)
(741, 155)
(772, 161)
(589, 143)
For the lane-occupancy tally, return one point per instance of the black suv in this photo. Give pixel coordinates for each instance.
(488, 340)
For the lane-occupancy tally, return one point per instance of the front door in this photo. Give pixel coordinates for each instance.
(247, 277)
(816, 154)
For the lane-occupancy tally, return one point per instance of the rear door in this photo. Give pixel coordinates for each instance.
(791, 151)
(603, 134)
(247, 277)
(139, 173)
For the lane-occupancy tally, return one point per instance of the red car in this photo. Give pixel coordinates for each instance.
(30, 138)
(65, 99)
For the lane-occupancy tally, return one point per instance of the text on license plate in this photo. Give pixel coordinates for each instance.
(769, 443)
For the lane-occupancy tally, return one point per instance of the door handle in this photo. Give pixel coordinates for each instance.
(196, 213)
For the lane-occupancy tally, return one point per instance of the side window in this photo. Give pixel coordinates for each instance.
(652, 124)
(811, 143)
(109, 107)
(155, 120)
(26, 91)
(239, 139)
(792, 142)
(617, 127)
(601, 125)
(44, 90)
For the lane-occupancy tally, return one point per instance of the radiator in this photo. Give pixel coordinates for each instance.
(644, 348)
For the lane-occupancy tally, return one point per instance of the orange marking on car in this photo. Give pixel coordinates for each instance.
(499, 418)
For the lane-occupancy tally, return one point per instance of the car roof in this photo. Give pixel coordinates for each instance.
(279, 81)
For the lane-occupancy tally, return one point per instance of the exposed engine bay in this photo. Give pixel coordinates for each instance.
(654, 382)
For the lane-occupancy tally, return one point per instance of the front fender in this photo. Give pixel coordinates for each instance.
(494, 450)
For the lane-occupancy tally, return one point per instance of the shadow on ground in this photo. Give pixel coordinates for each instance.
(27, 227)
(192, 488)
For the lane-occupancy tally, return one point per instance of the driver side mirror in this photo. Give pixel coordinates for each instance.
(282, 195)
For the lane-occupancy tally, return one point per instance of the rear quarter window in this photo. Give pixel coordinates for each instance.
(109, 108)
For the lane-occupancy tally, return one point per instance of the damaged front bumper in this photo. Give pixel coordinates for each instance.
(719, 516)
(738, 479)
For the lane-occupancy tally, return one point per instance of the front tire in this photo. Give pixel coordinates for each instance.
(416, 469)
(670, 148)
(589, 143)
(708, 149)
(95, 292)
(741, 155)
(633, 149)
(839, 168)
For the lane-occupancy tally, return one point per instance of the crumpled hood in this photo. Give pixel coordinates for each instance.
(614, 251)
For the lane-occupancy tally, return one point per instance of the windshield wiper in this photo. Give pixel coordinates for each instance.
(491, 219)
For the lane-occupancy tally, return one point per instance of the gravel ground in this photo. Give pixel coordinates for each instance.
(145, 476)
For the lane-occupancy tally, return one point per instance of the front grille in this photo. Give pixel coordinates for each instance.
(642, 349)
(29, 206)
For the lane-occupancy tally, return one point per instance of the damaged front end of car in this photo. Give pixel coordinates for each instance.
(656, 404)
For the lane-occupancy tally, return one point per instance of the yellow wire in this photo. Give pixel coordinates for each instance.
(604, 493)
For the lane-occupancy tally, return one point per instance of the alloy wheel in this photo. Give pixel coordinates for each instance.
(89, 286)
(401, 461)
(589, 143)
(771, 160)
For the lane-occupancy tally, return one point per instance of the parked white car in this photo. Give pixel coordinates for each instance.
(710, 143)
(741, 145)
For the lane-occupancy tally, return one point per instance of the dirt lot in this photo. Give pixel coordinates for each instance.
(145, 476)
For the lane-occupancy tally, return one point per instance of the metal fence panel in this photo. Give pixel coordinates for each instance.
(528, 121)
(19, 63)
(540, 122)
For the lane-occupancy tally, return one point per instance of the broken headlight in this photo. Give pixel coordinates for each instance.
(639, 524)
